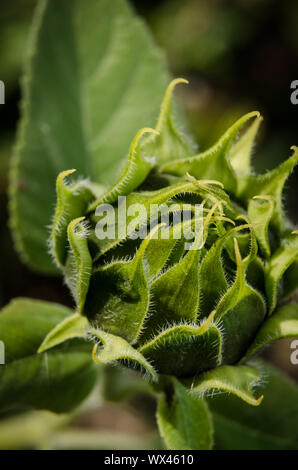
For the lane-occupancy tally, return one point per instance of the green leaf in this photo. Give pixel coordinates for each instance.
(241, 311)
(270, 184)
(30, 430)
(290, 279)
(17, 325)
(93, 79)
(212, 275)
(169, 142)
(58, 380)
(115, 349)
(241, 152)
(283, 323)
(146, 205)
(167, 249)
(74, 326)
(159, 250)
(282, 259)
(149, 203)
(213, 163)
(270, 426)
(184, 420)
(118, 299)
(72, 202)
(166, 142)
(235, 292)
(185, 350)
(121, 383)
(78, 267)
(260, 212)
(135, 171)
(176, 294)
(238, 380)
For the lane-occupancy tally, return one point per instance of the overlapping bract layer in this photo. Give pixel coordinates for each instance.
(165, 309)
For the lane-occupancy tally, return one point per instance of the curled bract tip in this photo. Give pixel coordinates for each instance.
(256, 114)
(94, 354)
(205, 325)
(237, 252)
(204, 181)
(167, 98)
(64, 174)
(226, 219)
(243, 217)
(176, 81)
(156, 229)
(264, 197)
(75, 222)
(259, 400)
(147, 130)
(153, 231)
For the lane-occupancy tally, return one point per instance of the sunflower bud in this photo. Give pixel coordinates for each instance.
(178, 268)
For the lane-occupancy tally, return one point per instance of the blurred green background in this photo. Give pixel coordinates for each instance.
(239, 55)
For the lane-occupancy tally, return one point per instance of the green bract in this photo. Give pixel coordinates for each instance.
(196, 311)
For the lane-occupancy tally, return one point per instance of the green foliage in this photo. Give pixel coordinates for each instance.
(187, 303)
(272, 425)
(238, 380)
(282, 324)
(168, 310)
(57, 380)
(93, 72)
(183, 419)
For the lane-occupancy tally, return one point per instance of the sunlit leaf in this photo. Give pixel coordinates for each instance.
(93, 79)
(73, 326)
(238, 380)
(283, 323)
(270, 426)
(57, 380)
(213, 163)
(184, 420)
(115, 349)
(281, 260)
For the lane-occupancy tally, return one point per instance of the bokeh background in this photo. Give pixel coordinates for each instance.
(239, 55)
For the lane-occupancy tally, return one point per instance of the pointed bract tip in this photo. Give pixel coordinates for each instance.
(172, 85)
(75, 222)
(64, 174)
(211, 316)
(194, 180)
(237, 251)
(247, 225)
(259, 400)
(40, 349)
(147, 130)
(226, 219)
(264, 198)
(256, 114)
(94, 354)
(204, 327)
(176, 81)
(155, 230)
(67, 172)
